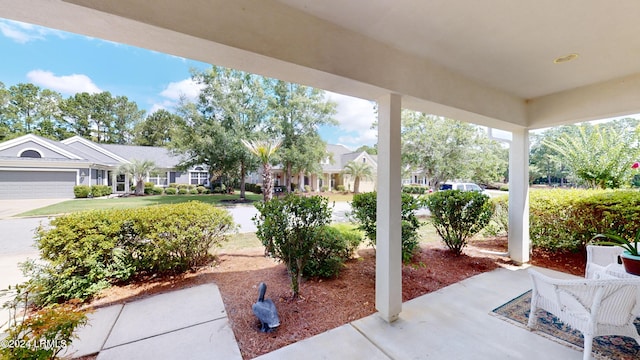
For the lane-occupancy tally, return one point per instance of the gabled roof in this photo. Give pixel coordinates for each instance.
(94, 146)
(46, 143)
(163, 158)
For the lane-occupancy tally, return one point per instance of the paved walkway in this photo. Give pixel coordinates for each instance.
(190, 323)
(452, 323)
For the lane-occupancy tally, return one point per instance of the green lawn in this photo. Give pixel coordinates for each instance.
(140, 201)
(133, 202)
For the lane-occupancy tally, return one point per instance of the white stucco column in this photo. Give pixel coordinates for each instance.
(388, 242)
(519, 196)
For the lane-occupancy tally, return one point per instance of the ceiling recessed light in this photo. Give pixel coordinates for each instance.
(565, 58)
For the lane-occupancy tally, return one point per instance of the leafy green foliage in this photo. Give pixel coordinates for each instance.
(81, 191)
(458, 215)
(358, 171)
(364, 213)
(158, 129)
(171, 191)
(622, 240)
(499, 224)
(446, 149)
(101, 190)
(335, 244)
(39, 334)
(87, 251)
(289, 229)
(599, 156)
(138, 170)
(568, 219)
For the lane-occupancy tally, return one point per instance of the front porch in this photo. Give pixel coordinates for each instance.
(452, 323)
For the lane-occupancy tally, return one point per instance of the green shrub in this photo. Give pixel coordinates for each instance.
(101, 190)
(289, 228)
(148, 188)
(499, 224)
(563, 219)
(87, 251)
(254, 188)
(504, 187)
(324, 188)
(170, 191)
(182, 186)
(40, 333)
(458, 215)
(364, 213)
(194, 191)
(201, 189)
(340, 188)
(334, 246)
(183, 191)
(81, 191)
(173, 185)
(157, 190)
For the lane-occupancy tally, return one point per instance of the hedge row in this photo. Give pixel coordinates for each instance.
(87, 251)
(415, 189)
(568, 219)
(85, 191)
(254, 188)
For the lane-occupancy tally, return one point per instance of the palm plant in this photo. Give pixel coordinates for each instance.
(358, 170)
(138, 169)
(631, 246)
(264, 150)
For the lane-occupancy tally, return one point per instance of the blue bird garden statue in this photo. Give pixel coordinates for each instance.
(265, 310)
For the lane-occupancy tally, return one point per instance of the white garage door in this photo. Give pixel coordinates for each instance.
(36, 184)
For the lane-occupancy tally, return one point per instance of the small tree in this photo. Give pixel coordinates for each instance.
(265, 151)
(289, 229)
(138, 169)
(458, 215)
(359, 171)
(364, 213)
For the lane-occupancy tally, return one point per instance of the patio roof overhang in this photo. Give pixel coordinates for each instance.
(489, 63)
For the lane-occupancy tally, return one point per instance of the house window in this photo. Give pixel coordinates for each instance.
(31, 154)
(198, 176)
(159, 180)
(364, 160)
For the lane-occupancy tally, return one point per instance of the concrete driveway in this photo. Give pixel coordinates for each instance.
(9, 208)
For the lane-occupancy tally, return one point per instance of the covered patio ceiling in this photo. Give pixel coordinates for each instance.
(489, 62)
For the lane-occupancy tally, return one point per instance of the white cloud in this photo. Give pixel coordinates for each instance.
(367, 137)
(354, 117)
(155, 107)
(353, 114)
(66, 84)
(186, 88)
(23, 33)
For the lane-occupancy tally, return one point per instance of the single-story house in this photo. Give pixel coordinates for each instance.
(35, 167)
(338, 156)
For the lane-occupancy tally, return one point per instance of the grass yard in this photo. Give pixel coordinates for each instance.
(133, 202)
(75, 205)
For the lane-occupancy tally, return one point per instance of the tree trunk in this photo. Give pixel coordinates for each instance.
(356, 185)
(140, 187)
(267, 182)
(287, 177)
(242, 176)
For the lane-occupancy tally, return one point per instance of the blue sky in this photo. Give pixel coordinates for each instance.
(69, 63)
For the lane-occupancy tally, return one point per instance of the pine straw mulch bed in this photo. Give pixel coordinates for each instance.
(324, 303)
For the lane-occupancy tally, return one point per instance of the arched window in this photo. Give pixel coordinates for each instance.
(31, 154)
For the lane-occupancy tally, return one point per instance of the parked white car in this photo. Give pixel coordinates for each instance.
(463, 187)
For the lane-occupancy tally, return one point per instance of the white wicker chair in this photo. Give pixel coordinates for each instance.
(598, 257)
(595, 307)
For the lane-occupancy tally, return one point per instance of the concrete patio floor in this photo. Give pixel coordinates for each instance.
(452, 323)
